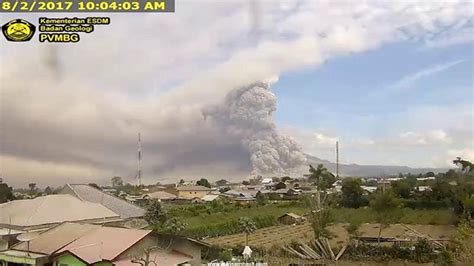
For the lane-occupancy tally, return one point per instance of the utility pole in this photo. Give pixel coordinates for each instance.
(139, 174)
(337, 159)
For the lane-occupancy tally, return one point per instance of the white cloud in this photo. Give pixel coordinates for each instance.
(410, 80)
(431, 137)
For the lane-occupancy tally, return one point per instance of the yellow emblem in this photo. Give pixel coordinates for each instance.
(18, 30)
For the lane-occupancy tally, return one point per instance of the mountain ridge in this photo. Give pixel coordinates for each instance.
(361, 170)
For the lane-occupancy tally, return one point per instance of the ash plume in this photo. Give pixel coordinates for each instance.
(246, 114)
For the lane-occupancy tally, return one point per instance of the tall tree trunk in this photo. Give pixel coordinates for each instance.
(246, 239)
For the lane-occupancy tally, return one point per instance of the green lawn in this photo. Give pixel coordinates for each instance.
(204, 218)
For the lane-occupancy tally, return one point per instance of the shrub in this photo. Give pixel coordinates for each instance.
(423, 251)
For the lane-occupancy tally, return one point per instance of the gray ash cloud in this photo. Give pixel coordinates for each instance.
(247, 114)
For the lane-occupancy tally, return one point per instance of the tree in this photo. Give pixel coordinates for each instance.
(174, 225)
(245, 183)
(154, 215)
(320, 220)
(352, 193)
(430, 174)
(48, 190)
(203, 182)
(466, 166)
(441, 190)
(246, 226)
(450, 175)
(385, 204)
(322, 177)
(33, 188)
(181, 182)
(468, 204)
(463, 200)
(221, 182)
(320, 216)
(402, 188)
(261, 199)
(6, 193)
(280, 185)
(285, 178)
(147, 258)
(117, 181)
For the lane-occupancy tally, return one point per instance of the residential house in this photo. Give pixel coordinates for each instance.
(191, 192)
(369, 189)
(281, 193)
(86, 244)
(244, 200)
(44, 212)
(423, 188)
(210, 198)
(84, 192)
(429, 178)
(241, 197)
(161, 196)
(291, 218)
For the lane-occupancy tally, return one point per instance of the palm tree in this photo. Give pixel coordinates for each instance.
(247, 226)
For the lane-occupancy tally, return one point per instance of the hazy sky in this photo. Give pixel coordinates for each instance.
(391, 80)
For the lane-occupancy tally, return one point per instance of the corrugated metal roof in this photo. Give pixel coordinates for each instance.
(210, 197)
(51, 209)
(162, 195)
(296, 216)
(57, 237)
(104, 243)
(122, 207)
(193, 188)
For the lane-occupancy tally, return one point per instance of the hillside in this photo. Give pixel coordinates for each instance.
(369, 170)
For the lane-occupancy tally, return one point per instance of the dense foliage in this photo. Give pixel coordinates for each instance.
(6, 193)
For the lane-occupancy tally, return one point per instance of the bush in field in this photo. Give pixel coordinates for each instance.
(353, 228)
(423, 251)
(320, 220)
(445, 257)
(225, 255)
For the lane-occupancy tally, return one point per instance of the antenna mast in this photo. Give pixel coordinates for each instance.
(337, 158)
(139, 174)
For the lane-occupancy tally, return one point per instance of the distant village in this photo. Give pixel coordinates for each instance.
(199, 191)
(124, 224)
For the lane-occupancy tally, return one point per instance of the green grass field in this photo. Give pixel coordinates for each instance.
(208, 218)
